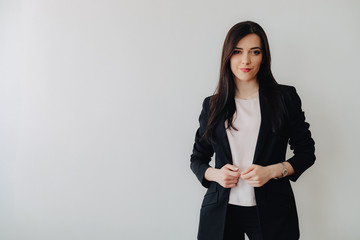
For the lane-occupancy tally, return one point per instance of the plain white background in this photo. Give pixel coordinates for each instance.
(99, 102)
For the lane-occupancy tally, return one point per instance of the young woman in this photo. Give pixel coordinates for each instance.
(248, 123)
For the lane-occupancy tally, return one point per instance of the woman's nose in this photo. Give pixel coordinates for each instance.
(245, 59)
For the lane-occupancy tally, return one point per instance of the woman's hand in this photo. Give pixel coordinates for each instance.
(228, 176)
(256, 175)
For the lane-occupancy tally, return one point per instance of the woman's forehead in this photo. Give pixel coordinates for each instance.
(251, 40)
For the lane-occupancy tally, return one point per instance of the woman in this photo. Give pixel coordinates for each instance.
(247, 123)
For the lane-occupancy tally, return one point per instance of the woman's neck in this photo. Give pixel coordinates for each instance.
(247, 90)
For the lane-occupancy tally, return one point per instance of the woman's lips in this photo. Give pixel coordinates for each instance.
(245, 69)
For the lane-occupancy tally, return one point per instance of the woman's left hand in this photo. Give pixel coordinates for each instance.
(256, 175)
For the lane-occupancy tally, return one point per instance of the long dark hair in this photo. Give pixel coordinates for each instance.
(222, 102)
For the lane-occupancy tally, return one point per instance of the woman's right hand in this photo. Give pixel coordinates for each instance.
(227, 176)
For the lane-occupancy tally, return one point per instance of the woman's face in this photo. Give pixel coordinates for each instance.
(246, 59)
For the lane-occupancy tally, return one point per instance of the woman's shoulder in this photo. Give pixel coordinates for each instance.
(290, 95)
(206, 104)
(206, 101)
(208, 98)
(286, 88)
(288, 92)
(285, 92)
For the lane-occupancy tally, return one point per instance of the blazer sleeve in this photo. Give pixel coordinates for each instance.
(202, 150)
(300, 139)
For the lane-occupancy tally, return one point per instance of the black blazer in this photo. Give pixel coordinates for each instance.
(275, 200)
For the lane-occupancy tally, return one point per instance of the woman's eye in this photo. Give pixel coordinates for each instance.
(255, 52)
(236, 52)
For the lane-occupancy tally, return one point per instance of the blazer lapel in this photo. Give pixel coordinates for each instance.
(221, 133)
(264, 126)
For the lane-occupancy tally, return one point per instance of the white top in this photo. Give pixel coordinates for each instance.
(242, 144)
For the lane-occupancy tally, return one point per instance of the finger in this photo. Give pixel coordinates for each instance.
(232, 167)
(248, 175)
(231, 180)
(233, 174)
(230, 185)
(232, 170)
(249, 169)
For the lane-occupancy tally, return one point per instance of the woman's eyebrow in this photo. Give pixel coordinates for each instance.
(250, 48)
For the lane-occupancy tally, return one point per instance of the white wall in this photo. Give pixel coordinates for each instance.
(99, 102)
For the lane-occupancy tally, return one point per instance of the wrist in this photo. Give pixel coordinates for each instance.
(276, 171)
(284, 171)
(210, 174)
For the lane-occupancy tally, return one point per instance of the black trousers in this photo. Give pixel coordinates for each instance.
(240, 221)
